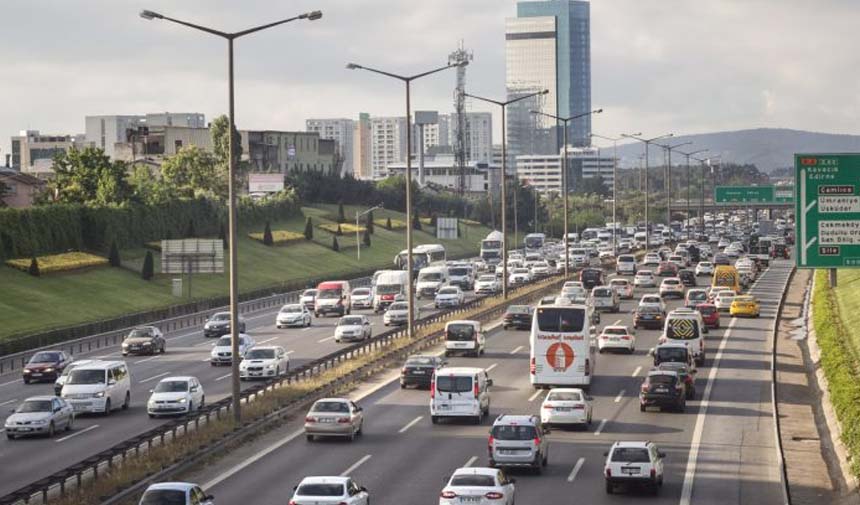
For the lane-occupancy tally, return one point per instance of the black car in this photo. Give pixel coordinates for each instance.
(591, 277)
(45, 366)
(688, 278)
(143, 340)
(649, 316)
(663, 389)
(687, 376)
(219, 324)
(722, 259)
(419, 370)
(518, 316)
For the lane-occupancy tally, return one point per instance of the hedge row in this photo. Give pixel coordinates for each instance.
(279, 237)
(344, 227)
(64, 262)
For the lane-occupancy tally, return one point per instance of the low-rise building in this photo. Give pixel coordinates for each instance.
(21, 189)
(441, 170)
(33, 152)
(543, 172)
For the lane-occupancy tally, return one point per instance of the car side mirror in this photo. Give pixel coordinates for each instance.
(359, 409)
(512, 480)
(652, 351)
(112, 382)
(362, 489)
(661, 455)
(151, 390)
(193, 389)
(489, 382)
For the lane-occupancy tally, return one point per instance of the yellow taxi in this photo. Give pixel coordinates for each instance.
(745, 305)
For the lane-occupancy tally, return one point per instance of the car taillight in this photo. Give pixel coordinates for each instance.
(494, 495)
(293, 502)
(343, 420)
(548, 406)
(475, 389)
(310, 420)
(653, 473)
(433, 389)
(532, 367)
(625, 337)
(537, 441)
(644, 388)
(578, 407)
(608, 472)
(448, 495)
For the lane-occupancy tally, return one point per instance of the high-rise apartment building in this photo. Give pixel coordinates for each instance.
(361, 147)
(388, 144)
(548, 46)
(478, 138)
(341, 130)
(105, 132)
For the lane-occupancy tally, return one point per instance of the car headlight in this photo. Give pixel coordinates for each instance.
(125, 344)
(182, 400)
(48, 370)
(26, 370)
(270, 367)
(147, 343)
(100, 394)
(41, 421)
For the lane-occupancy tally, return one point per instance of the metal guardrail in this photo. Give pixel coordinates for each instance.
(774, 386)
(92, 465)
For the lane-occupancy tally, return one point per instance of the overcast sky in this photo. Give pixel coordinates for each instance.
(657, 65)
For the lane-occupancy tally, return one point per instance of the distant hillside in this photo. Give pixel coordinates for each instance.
(767, 148)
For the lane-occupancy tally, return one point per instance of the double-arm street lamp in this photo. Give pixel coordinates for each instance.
(668, 184)
(689, 182)
(564, 188)
(231, 182)
(407, 80)
(614, 141)
(504, 106)
(706, 162)
(647, 143)
(357, 238)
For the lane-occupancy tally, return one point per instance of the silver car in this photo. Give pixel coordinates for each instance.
(334, 417)
(519, 440)
(40, 415)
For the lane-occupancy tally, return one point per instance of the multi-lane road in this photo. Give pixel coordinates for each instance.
(187, 354)
(721, 450)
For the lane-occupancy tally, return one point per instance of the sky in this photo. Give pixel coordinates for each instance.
(658, 66)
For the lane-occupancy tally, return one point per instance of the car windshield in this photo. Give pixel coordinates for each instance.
(260, 354)
(615, 331)
(398, 306)
(649, 309)
(564, 396)
(360, 292)
(521, 270)
(662, 379)
(31, 406)
(329, 406)
(430, 277)
(644, 273)
(171, 387)
(320, 490)
(460, 332)
(163, 497)
(86, 377)
(329, 294)
(705, 264)
(618, 283)
(310, 292)
(448, 291)
(651, 300)
(707, 310)
(419, 361)
(671, 282)
(518, 309)
(745, 299)
(630, 455)
(223, 341)
(571, 320)
(487, 278)
(602, 292)
(140, 333)
(473, 481)
(697, 295)
(388, 289)
(291, 309)
(350, 321)
(453, 384)
(626, 259)
(672, 354)
(221, 316)
(459, 271)
(45, 357)
(512, 432)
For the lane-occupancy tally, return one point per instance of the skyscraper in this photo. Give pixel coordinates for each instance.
(548, 46)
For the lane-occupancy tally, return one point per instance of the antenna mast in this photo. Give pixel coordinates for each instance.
(460, 57)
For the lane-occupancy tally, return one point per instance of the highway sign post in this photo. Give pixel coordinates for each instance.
(827, 211)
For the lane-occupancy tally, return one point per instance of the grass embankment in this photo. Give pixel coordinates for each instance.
(836, 319)
(29, 304)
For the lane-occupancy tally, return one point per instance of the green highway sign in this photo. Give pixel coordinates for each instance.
(827, 210)
(764, 195)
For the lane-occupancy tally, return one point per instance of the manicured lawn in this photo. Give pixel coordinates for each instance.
(848, 300)
(29, 304)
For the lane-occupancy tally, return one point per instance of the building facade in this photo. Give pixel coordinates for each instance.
(388, 144)
(33, 152)
(285, 152)
(342, 131)
(158, 142)
(441, 171)
(105, 132)
(361, 148)
(543, 172)
(21, 188)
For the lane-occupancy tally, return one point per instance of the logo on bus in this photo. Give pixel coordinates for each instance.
(559, 356)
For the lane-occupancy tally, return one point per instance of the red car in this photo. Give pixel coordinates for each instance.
(45, 366)
(710, 314)
(667, 269)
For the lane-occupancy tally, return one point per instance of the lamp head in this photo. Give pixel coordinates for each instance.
(352, 66)
(150, 15)
(313, 15)
(598, 111)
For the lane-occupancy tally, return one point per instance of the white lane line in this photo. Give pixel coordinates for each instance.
(325, 339)
(355, 465)
(153, 377)
(203, 343)
(535, 395)
(411, 424)
(81, 432)
(290, 352)
(205, 360)
(576, 468)
(306, 329)
(267, 340)
(636, 372)
(223, 377)
(7, 402)
(616, 323)
(145, 360)
(471, 461)
(494, 365)
(253, 459)
(620, 395)
(11, 382)
(518, 349)
(600, 427)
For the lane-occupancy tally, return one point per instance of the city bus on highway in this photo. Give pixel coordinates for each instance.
(534, 242)
(561, 352)
(491, 248)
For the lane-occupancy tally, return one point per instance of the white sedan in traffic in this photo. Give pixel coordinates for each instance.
(616, 337)
(222, 353)
(330, 490)
(672, 287)
(352, 328)
(478, 486)
(264, 363)
(623, 287)
(295, 314)
(644, 279)
(175, 395)
(565, 407)
(704, 268)
(449, 296)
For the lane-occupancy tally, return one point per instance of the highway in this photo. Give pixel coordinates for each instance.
(187, 354)
(721, 450)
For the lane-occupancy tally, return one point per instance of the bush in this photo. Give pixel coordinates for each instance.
(366, 237)
(279, 237)
(334, 245)
(33, 269)
(416, 221)
(154, 245)
(113, 256)
(64, 262)
(267, 235)
(341, 217)
(339, 231)
(148, 267)
(388, 224)
(369, 222)
(189, 231)
(433, 219)
(309, 229)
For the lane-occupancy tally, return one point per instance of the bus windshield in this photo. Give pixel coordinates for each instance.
(558, 319)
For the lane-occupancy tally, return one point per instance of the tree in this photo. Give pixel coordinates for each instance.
(189, 231)
(220, 142)
(148, 270)
(593, 185)
(334, 245)
(113, 255)
(434, 218)
(416, 221)
(309, 229)
(146, 188)
(366, 237)
(388, 224)
(4, 190)
(369, 224)
(88, 176)
(339, 232)
(34, 268)
(267, 235)
(341, 217)
(193, 172)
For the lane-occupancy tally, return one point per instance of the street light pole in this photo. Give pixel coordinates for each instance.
(614, 188)
(668, 184)
(564, 185)
(705, 161)
(687, 228)
(357, 240)
(231, 183)
(504, 106)
(407, 80)
(647, 142)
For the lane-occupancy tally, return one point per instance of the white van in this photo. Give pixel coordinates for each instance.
(389, 284)
(98, 387)
(466, 337)
(460, 392)
(639, 238)
(686, 326)
(430, 279)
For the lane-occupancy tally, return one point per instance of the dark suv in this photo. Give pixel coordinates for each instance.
(648, 316)
(663, 389)
(519, 317)
(591, 277)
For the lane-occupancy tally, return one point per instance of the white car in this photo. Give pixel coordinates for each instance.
(572, 284)
(175, 395)
(478, 486)
(616, 337)
(396, 315)
(632, 463)
(723, 300)
(222, 353)
(705, 268)
(651, 259)
(672, 286)
(653, 300)
(176, 493)
(362, 298)
(572, 292)
(309, 298)
(449, 296)
(352, 328)
(264, 363)
(566, 406)
(540, 269)
(519, 276)
(295, 314)
(329, 490)
(487, 285)
(678, 260)
(623, 287)
(625, 265)
(644, 279)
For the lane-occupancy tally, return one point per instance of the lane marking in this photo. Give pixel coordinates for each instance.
(535, 395)
(253, 459)
(88, 428)
(636, 372)
(267, 340)
(600, 427)
(223, 377)
(471, 461)
(290, 352)
(154, 377)
(410, 424)
(616, 323)
(325, 339)
(620, 395)
(145, 360)
(203, 343)
(306, 328)
(518, 349)
(12, 382)
(576, 468)
(7, 402)
(355, 465)
(205, 360)
(494, 365)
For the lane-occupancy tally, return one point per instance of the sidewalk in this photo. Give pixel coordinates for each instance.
(815, 475)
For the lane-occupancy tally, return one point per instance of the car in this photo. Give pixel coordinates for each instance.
(572, 292)
(175, 395)
(651, 260)
(591, 277)
(464, 337)
(666, 269)
(144, 340)
(518, 441)
(45, 366)
(723, 243)
(487, 284)
(340, 490)
(264, 362)
(644, 279)
(616, 337)
(540, 270)
(61, 380)
(352, 328)
(672, 287)
(478, 486)
(714, 292)
(460, 393)
(721, 259)
(604, 298)
(695, 296)
(673, 352)
(648, 316)
(704, 268)
(449, 296)
(572, 284)
(309, 298)
(688, 278)
(419, 370)
(396, 315)
(653, 299)
(633, 464)
(219, 324)
(745, 305)
(334, 417)
(663, 389)
(519, 317)
(40, 415)
(566, 407)
(710, 314)
(677, 260)
(685, 373)
(519, 276)
(175, 493)
(623, 287)
(222, 352)
(625, 264)
(98, 387)
(362, 298)
(294, 314)
(724, 299)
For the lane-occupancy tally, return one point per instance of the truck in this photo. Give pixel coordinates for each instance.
(491, 248)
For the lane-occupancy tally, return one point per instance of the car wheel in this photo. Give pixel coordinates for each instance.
(26, 381)
(190, 407)
(107, 407)
(351, 436)
(360, 428)
(641, 408)
(310, 438)
(51, 430)
(308, 324)
(609, 489)
(434, 419)
(202, 402)
(151, 416)
(545, 460)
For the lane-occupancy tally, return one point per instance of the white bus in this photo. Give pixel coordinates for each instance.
(561, 351)
(491, 248)
(422, 256)
(534, 242)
